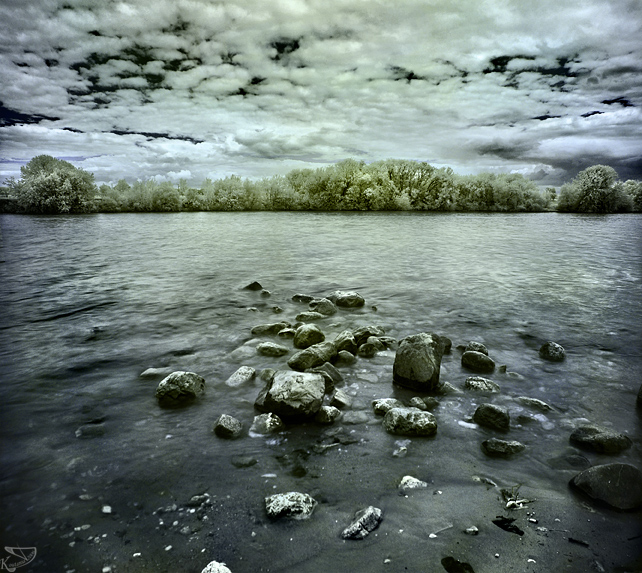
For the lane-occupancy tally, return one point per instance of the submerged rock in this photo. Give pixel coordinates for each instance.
(227, 427)
(409, 422)
(347, 299)
(618, 485)
(535, 403)
(307, 335)
(552, 351)
(323, 306)
(292, 394)
(156, 372)
(309, 316)
(272, 349)
(492, 416)
(303, 298)
(180, 388)
(255, 285)
(313, 356)
(367, 350)
(366, 521)
(501, 448)
(243, 375)
(292, 504)
(418, 361)
(477, 362)
(345, 358)
(599, 439)
(272, 328)
(480, 384)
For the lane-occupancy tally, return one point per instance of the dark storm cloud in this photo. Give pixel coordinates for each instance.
(203, 88)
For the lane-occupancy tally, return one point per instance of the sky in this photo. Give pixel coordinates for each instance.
(195, 89)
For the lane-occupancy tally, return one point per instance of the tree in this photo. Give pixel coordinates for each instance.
(50, 185)
(594, 190)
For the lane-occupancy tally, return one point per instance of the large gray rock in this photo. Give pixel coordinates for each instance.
(323, 306)
(292, 394)
(492, 416)
(480, 384)
(599, 439)
(242, 376)
(292, 504)
(307, 335)
(417, 362)
(228, 427)
(313, 356)
(618, 485)
(501, 448)
(272, 349)
(345, 341)
(409, 422)
(264, 424)
(477, 362)
(180, 388)
(365, 521)
(347, 299)
(552, 351)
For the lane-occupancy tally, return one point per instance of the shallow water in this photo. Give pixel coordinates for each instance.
(90, 302)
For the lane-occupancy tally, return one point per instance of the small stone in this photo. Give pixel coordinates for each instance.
(307, 335)
(472, 530)
(366, 521)
(417, 402)
(345, 358)
(476, 347)
(327, 415)
(106, 509)
(88, 431)
(156, 372)
(340, 400)
(362, 333)
(310, 316)
(409, 482)
(477, 362)
(452, 565)
(367, 350)
(271, 349)
(180, 388)
(347, 299)
(287, 333)
(599, 439)
(323, 306)
(480, 384)
(269, 329)
(255, 285)
(501, 448)
(345, 341)
(535, 403)
(382, 405)
(376, 342)
(243, 375)
(268, 423)
(303, 298)
(292, 504)
(228, 427)
(552, 351)
(492, 416)
(409, 422)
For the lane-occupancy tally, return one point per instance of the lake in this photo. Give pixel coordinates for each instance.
(90, 302)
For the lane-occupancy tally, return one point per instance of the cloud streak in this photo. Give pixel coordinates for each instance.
(258, 88)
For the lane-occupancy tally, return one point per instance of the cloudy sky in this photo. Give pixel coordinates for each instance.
(201, 88)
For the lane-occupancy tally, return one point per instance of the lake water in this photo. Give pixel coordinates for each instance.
(90, 302)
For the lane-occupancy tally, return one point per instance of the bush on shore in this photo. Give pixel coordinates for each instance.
(50, 185)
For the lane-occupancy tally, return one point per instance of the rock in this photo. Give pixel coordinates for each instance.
(330, 370)
(417, 402)
(227, 427)
(353, 418)
(292, 394)
(243, 375)
(292, 504)
(313, 356)
(310, 316)
(535, 403)
(447, 389)
(345, 341)
(501, 448)
(345, 358)
(180, 388)
(340, 400)
(476, 347)
(389, 342)
(253, 286)
(409, 482)
(287, 333)
(382, 405)
(367, 350)
(472, 530)
(155, 372)
(431, 402)
(362, 333)
(264, 424)
(347, 299)
(618, 485)
(599, 439)
(552, 351)
(88, 431)
(477, 362)
(376, 342)
(307, 335)
(266, 293)
(327, 414)
(366, 521)
(638, 401)
(244, 461)
(267, 374)
(480, 384)
(492, 416)
(272, 328)
(417, 362)
(215, 567)
(409, 422)
(446, 344)
(323, 306)
(304, 298)
(271, 349)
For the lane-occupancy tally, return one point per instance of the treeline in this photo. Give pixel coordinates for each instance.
(50, 185)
